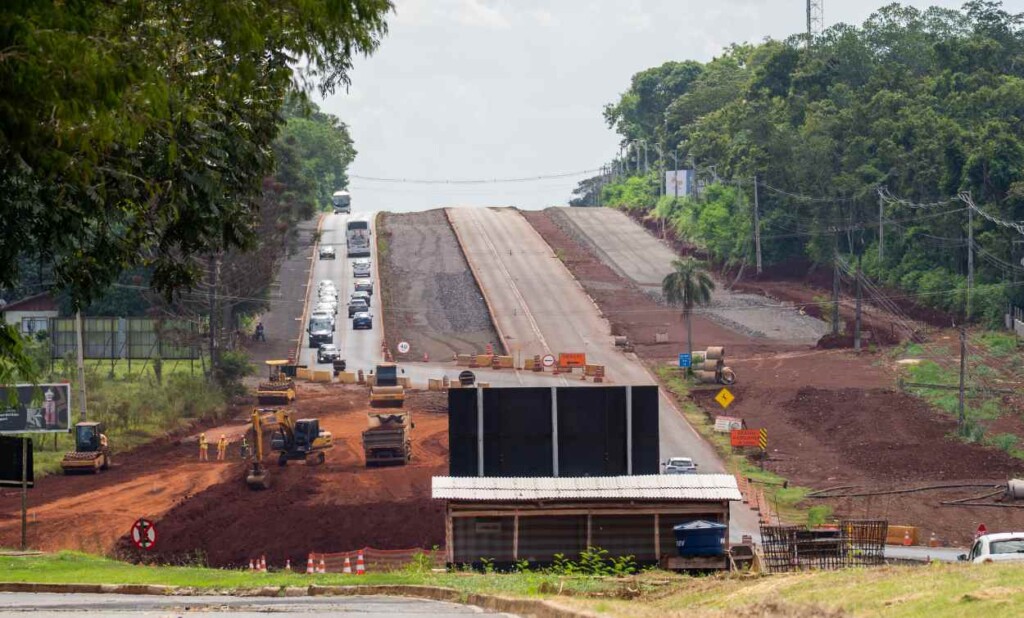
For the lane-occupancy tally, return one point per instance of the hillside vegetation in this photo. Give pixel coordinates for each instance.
(894, 119)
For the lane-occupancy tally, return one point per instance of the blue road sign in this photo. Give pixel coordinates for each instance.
(684, 360)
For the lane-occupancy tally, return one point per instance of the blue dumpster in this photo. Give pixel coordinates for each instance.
(700, 538)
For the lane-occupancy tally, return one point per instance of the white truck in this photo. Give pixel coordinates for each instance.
(357, 236)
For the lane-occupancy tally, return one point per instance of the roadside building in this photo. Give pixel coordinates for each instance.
(508, 519)
(30, 315)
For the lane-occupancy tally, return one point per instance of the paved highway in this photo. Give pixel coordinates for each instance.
(21, 604)
(360, 348)
(539, 309)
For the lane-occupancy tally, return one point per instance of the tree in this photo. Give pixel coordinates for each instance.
(688, 285)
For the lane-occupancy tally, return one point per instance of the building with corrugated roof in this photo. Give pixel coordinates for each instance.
(507, 520)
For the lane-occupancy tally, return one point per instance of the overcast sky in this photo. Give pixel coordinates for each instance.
(497, 89)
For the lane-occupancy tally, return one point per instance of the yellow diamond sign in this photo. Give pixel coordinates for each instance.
(724, 398)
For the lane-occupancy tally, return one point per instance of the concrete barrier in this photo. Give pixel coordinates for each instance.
(434, 385)
(405, 382)
(303, 373)
(346, 377)
(503, 362)
(322, 376)
(463, 360)
(483, 360)
(528, 364)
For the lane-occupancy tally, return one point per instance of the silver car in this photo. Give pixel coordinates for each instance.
(679, 465)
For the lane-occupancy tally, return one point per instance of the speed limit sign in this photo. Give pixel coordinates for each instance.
(403, 347)
(549, 360)
(144, 534)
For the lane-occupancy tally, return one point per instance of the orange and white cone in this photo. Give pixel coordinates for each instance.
(360, 565)
(323, 567)
(309, 565)
(263, 564)
(287, 564)
(252, 567)
(348, 566)
(906, 538)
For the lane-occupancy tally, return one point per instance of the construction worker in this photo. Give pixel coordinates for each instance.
(244, 449)
(222, 447)
(259, 332)
(202, 448)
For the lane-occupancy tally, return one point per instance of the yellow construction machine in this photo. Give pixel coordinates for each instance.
(279, 389)
(293, 439)
(387, 389)
(91, 453)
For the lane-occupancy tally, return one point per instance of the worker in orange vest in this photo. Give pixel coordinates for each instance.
(203, 447)
(222, 447)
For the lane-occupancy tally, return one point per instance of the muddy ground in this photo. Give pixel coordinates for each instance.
(833, 417)
(205, 513)
(430, 296)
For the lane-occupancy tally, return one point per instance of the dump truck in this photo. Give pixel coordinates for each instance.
(386, 389)
(388, 439)
(279, 389)
(91, 454)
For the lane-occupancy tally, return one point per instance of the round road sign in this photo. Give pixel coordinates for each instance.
(144, 534)
(549, 360)
(403, 347)
(467, 378)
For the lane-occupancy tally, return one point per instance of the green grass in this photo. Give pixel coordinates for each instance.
(998, 343)
(787, 502)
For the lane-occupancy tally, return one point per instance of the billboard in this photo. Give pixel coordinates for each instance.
(11, 450)
(35, 408)
(519, 432)
(679, 183)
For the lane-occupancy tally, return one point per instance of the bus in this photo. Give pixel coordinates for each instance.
(357, 237)
(342, 201)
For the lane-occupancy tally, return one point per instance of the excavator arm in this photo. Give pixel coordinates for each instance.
(257, 477)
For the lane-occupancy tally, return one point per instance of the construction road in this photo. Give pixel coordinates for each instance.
(540, 309)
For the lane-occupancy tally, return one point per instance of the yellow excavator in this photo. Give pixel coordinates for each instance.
(293, 439)
(279, 389)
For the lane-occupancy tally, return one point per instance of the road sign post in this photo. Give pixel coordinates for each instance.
(403, 347)
(685, 361)
(725, 398)
(144, 534)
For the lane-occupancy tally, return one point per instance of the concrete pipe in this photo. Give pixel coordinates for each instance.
(707, 377)
(715, 353)
(1015, 489)
(727, 376)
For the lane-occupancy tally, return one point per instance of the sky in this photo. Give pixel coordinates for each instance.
(514, 89)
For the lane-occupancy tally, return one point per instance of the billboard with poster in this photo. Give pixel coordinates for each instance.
(35, 408)
(679, 183)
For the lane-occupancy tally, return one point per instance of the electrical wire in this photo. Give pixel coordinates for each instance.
(477, 181)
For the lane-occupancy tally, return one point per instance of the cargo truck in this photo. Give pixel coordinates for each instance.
(388, 440)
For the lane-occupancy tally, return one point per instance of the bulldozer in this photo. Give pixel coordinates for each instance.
(91, 454)
(279, 389)
(387, 389)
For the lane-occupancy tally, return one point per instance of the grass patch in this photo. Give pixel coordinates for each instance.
(785, 500)
(998, 343)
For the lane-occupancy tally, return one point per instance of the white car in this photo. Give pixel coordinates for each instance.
(996, 547)
(328, 308)
(679, 465)
(323, 315)
(361, 268)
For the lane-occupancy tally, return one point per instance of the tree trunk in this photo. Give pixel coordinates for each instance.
(689, 337)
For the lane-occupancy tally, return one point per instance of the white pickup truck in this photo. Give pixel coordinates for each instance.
(997, 547)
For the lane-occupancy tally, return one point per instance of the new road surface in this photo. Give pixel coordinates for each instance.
(540, 309)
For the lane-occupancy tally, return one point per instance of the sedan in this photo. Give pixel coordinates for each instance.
(362, 320)
(365, 286)
(679, 465)
(327, 353)
(327, 253)
(357, 305)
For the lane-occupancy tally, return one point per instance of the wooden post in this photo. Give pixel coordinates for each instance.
(657, 538)
(554, 431)
(479, 431)
(449, 536)
(590, 531)
(835, 289)
(24, 493)
(629, 430)
(515, 537)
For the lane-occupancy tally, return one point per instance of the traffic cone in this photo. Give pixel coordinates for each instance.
(360, 565)
(348, 566)
(933, 541)
(287, 564)
(906, 538)
(426, 357)
(252, 567)
(263, 564)
(309, 565)
(323, 567)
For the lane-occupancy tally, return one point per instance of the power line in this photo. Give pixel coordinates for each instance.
(477, 181)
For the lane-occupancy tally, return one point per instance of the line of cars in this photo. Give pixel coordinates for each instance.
(323, 318)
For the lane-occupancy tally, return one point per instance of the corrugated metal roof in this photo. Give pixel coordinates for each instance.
(701, 487)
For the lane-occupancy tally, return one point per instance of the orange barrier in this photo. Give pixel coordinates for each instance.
(376, 560)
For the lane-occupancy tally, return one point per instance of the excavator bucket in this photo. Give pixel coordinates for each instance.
(258, 479)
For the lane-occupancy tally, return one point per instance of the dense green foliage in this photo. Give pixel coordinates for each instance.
(140, 133)
(923, 104)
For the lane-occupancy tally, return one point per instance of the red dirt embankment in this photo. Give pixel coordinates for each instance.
(832, 416)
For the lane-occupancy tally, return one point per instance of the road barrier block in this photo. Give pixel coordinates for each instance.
(434, 384)
(528, 364)
(346, 377)
(303, 373)
(405, 382)
(464, 360)
(322, 376)
(591, 370)
(483, 360)
(503, 362)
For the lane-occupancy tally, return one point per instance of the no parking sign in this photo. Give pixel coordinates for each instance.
(144, 534)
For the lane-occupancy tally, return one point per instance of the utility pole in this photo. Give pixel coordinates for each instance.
(881, 231)
(856, 319)
(970, 259)
(835, 286)
(757, 228)
(81, 366)
(961, 420)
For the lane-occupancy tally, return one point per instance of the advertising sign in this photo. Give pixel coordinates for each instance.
(30, 408)
(11, 451)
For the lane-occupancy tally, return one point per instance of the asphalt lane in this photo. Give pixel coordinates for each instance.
(361, 349)
(118, 605)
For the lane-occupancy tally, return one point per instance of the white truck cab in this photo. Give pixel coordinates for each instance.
(996, 547)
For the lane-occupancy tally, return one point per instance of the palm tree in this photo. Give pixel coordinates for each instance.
(688, 285)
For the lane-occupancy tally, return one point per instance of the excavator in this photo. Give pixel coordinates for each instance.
(300, 439)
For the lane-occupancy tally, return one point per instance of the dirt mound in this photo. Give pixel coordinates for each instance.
(430, 297)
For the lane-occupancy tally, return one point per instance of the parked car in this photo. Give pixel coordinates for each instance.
(362, 320)
(357, 305)
(996, 547)
(365, 286)
(327, 353)
(361, 268)
(679, 465)
(327, 252)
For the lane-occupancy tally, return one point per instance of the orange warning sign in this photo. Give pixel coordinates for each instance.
(572, 359)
